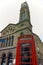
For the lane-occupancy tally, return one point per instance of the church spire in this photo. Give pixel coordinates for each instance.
(24, 12)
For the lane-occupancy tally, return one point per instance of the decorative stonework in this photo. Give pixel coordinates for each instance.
(13, 31)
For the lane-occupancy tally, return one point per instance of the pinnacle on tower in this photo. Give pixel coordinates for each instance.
(24, 4)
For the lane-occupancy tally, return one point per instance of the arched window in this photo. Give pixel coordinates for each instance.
(10, 59)
(3, 59)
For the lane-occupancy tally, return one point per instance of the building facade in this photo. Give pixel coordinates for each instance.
(11, 33)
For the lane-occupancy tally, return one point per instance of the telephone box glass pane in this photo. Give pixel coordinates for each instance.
(26, 54)
(26, 59)
(26, 64)
(25, 49)
(25, 44)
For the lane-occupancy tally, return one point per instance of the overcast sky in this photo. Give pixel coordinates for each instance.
(10, 9)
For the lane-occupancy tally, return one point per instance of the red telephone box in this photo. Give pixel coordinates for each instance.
(26, 51)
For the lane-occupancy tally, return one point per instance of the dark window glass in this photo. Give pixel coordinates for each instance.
(7, 41)
(3, 63)
(3, 59)
(12, 40)
(21, 33)
(25, 49)
(26, 54)
(26, 59)
(9, 62)
(25, 44)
